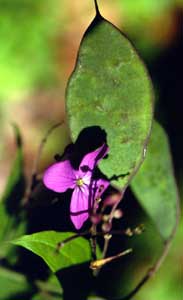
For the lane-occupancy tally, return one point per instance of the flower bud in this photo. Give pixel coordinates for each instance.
(106, 227)
(112, 199)
(95, 219)
(105, 218)
(118, 214)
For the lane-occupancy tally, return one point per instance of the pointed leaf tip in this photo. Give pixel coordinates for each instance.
(96, 8)
(45, 243)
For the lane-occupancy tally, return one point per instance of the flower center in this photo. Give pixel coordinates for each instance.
(79, 182)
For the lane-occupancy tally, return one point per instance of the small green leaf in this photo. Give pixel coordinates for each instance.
(110, 88)
(44, 244)
(154, 185)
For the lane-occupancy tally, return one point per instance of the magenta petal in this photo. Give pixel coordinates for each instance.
(59, 177)
(91, 159)
(79, 206)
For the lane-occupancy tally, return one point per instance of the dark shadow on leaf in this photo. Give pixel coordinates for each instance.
(89, 139)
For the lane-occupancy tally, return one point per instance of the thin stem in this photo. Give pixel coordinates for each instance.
(93, 241)
(108, 235)
(128, 232)
(107, 238)
(94, 209)
(71, 238)
(96, 8)
(93, 236)
(41, 146)
(93, 244)
(111, 216)
(37, 160)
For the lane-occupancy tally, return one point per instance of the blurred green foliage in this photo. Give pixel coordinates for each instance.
(148, 23)
(141, 11)
(167, 284)
(27, 45)
(12, 284)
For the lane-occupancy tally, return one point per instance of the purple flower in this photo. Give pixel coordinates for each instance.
(62, 176)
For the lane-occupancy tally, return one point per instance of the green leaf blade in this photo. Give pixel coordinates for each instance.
(44, 244)
(110, 88)
(155, 186)
(11, 214)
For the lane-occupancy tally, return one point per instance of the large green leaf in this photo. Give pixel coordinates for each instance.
(154, 184)
(45, 243)
(110, 88)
